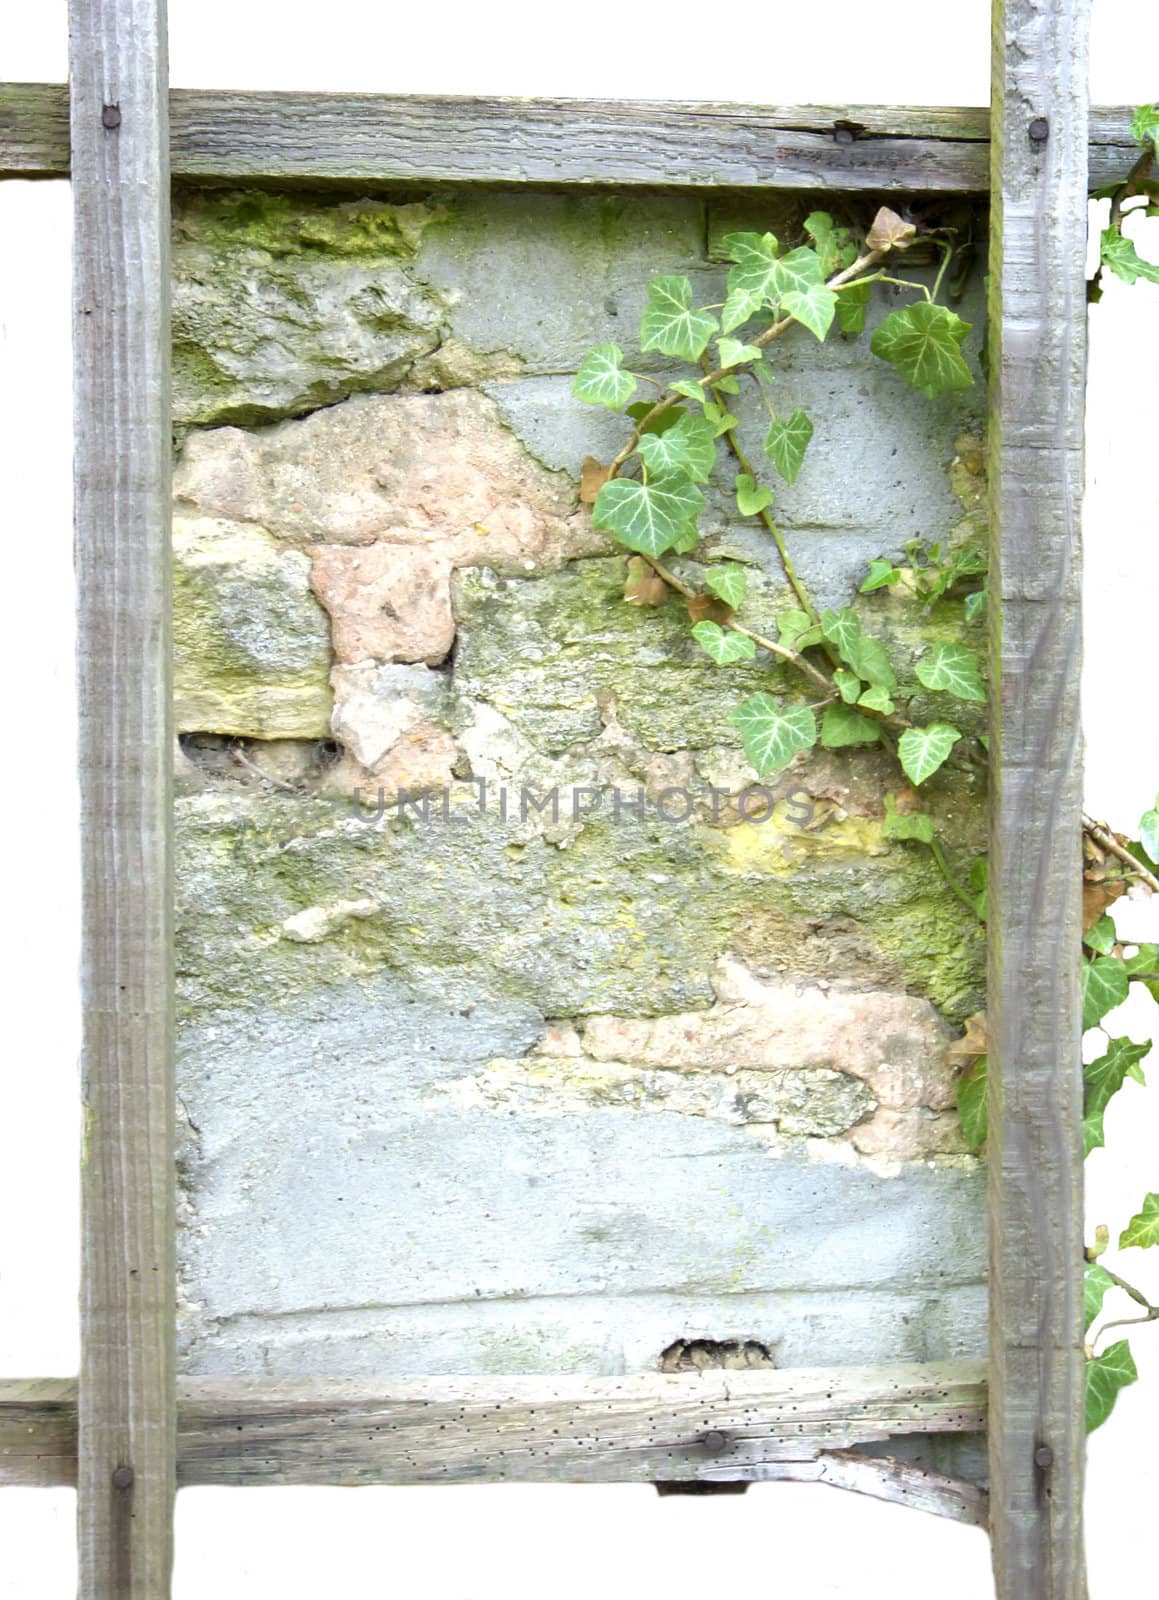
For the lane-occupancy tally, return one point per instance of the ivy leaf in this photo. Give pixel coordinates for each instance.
(735, 354)
(954, 668)
(670, 324)
(1118, 252)
(1096, 1281)
(786, 442)
(972, 1103)
(649, 517)
(688, 449)
(751, 497)
(820, 227)
(1105, 985)
(979, 881)
(720, 419)
(1144, 961)
(723, 646)
(1149, 830)
(1143, 1228)
(773, 734)
(841, 726)
(1144, 126)
(799, 286)
(873, 664)
(852, 305)
(668, 418)
(691, 390)
(1101, 938)
(1102, 1079)
(848, 685)
(794, 628)
(602, 381)
(728, 582)
(750, 280)
(976, 603)
(888, 231)
(877, 699)
(907, 824)
(882, 575)
(1106, 1375)
(843, 629)
(923, 750)
(923, 343)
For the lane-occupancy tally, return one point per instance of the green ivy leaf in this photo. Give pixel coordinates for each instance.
(1138, 967)
(972, 1103)
(843, 629)
(1143, 1228)
(602, 381)
(848, 685)
(649, 517)
(786, 442)
(1105, 984)
(1096, 1281)
(1102, 1079)
(750, 280)
(852, 306)
(923, 750)
(873, 665)
(688, 449)
(979, 881)
(721, 419)
(751, 497)
(907, 824)
(1118, 252)
(724, 645)
(691, 390)
(670, 324)
(1101, 937)
(1149, 830)
(877, 699)
(773, 734)
(841, 726)
(976, 603)
(923, 343)
(728, 582)
(668, 418)
(953, 668)
(794, 628)
(1144, 126)
(735, 354)
(820, 227)
(882, 575)
(1106, 1375)
(799, 287)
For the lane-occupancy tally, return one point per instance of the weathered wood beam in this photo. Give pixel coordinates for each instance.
(221, 135)
(711, 1426)
(1037, 327)
(122, 447)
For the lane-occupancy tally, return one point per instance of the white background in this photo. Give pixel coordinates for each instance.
(478, 1543)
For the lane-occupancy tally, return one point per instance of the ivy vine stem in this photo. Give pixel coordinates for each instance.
(1106, 840)
(1150, 1312)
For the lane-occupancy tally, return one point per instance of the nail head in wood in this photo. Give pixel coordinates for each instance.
(1044, 1456)
(1039, 130)
(110, 116)
(123, 1478)
(715, 1441)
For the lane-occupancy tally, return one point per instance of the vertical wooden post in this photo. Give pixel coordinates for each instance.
(1038, 355)
(120, 184)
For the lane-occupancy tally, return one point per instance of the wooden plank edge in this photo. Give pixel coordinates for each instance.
(271, 136)
(712, 1426)
(882, 1478)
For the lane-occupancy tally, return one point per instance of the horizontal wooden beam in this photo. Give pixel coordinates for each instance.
(710, 1427)
(224, 135)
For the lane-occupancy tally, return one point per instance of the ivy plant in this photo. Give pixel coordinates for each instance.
(844, 688)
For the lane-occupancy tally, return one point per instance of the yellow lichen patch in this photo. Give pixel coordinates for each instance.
(779, 846)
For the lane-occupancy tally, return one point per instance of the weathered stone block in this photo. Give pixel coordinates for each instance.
(251, 643)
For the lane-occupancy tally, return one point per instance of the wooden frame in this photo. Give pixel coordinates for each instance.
(129, 1431)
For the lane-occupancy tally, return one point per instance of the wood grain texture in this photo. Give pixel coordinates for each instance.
(37, 1432)
(711, 1426)
(120, 185)
(1038, 354)
(266, 136)
(882, 1478)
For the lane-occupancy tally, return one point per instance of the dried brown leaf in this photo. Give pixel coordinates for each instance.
(973, 1042)
(707, 608)
(1099, 892)
(890, 232)
(593, 476)
(645, 586)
